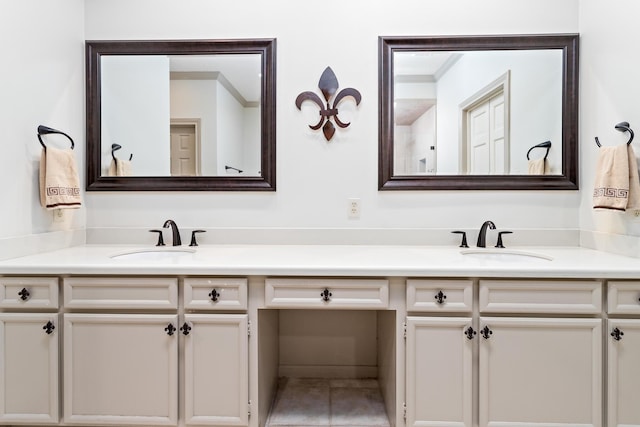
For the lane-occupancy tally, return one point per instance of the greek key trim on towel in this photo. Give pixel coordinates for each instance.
(63, 191)
(621, 193)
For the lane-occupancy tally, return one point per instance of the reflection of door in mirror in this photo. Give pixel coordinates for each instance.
(185, 147)
(144, 95)
(485, 132)
(485, 138)
(459, 82)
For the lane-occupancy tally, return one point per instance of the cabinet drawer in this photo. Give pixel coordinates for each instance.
(29, 292)
(541, 296)
(121, 292)
(215, 294)
(327, 293)
(623, 298)
(435, 295)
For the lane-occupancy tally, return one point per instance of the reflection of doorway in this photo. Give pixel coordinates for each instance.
(485, 130)
(185, 147)
(414, 136)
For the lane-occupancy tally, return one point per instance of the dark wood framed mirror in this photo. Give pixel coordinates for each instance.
(439, 95)
(181, 115)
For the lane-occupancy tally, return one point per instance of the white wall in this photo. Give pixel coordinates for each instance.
(230, 120)
(315, 178)
(411, 145)
(535, 109)
(135, 112)
(188, 102)
(609, 64)
(43, 42)
(226, 125)
(251, 138)
(41, 82)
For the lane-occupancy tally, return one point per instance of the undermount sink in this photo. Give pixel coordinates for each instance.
(158, 254)
(505, 255)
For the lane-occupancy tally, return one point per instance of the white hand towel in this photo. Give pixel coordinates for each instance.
(538, 167)
(59, 182)
(120, 168)
(617, 186)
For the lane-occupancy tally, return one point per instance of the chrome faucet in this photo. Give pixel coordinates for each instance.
(482, 235)
(174, 231)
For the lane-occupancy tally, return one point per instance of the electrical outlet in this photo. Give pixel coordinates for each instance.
(354, 208)
(58, 215)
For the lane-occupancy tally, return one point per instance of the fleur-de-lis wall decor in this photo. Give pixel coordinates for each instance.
(328, 84)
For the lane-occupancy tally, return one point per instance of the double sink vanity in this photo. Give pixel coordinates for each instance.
(129, 335)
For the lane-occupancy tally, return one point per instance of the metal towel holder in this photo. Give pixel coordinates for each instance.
(622, 127)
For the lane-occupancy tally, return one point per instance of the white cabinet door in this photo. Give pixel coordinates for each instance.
(624, 373)
(120, 369)
(28, 368)
(540, 372)
(439, 372)
(216, 377)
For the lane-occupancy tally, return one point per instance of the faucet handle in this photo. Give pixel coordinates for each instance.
(463, 244)
(500, 233)
(193, 237)
(160, 239)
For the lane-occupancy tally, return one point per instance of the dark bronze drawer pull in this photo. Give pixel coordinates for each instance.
(24, 294)
(440, 297)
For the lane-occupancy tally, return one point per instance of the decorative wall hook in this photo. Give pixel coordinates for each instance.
(328, 84)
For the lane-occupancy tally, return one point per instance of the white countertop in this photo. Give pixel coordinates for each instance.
(329, 260)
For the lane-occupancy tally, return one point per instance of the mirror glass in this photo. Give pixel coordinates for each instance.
(478, 112)
(183, 115)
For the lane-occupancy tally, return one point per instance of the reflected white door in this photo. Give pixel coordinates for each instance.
(499, 166)
(183, 150)
(486, 134)
(480, 158)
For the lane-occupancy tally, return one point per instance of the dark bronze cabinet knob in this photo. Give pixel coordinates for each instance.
(617, 334)
(49, 327)
(185, 328)
(170, 329)
(486, 332)
(470, 333)
(24, 294)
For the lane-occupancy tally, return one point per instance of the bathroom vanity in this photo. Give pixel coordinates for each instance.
(206, 338)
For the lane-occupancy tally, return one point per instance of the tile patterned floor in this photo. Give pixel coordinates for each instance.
(303, 402)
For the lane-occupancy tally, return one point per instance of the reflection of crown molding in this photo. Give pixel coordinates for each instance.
(447, 65)
(414, 78)
(213, 75)
(429, 78)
